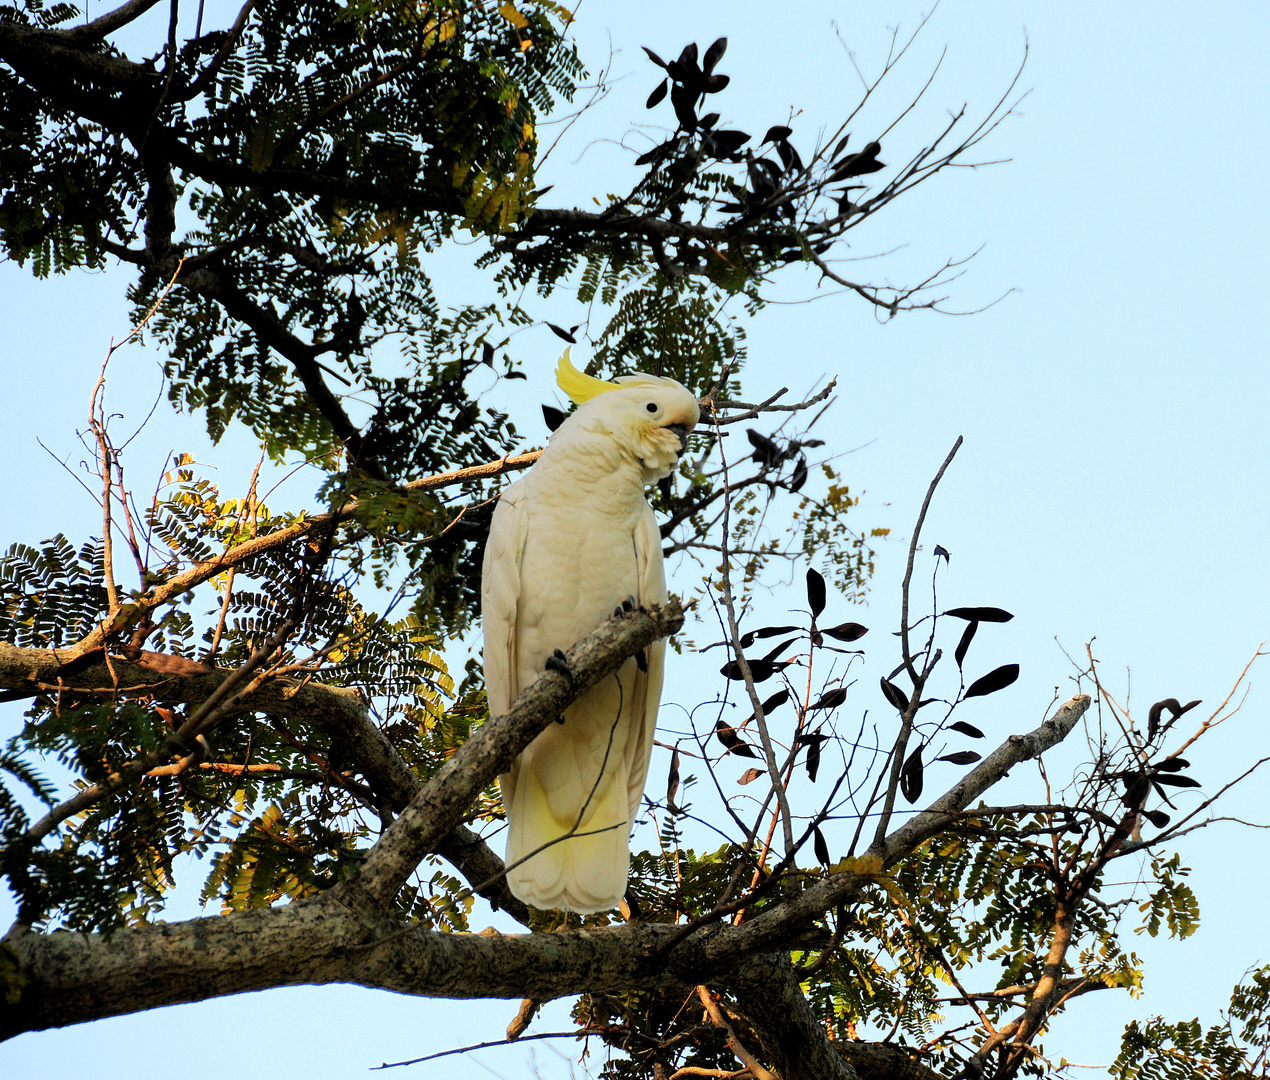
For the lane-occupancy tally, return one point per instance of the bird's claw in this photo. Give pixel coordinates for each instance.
(559, 663)
(629, 604)
(641, 661)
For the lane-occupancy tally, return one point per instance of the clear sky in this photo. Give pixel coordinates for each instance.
(1113, 480)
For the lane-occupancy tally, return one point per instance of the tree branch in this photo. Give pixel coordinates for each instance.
(108, 23)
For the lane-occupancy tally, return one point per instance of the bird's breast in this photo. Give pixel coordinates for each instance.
(580, 560)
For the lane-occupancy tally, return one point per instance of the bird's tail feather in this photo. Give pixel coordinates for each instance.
(585, 873)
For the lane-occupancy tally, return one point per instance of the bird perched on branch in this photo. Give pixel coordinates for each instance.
(570, 542)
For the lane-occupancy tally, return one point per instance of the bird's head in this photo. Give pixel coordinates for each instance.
(649, 416)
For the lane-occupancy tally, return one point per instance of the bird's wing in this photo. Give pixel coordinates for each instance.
(652, 590)
(500, 598)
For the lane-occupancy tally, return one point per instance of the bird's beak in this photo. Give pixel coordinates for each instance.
(681, 430)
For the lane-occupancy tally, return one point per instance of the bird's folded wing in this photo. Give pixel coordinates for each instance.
(652, 590)
(500, 598)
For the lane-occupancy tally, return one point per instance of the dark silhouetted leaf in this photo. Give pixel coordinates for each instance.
(911, 778)
(1175, 709)
(815, 592)
(813, 743)
(658, 95)
(716, 83)
(714, 54)
(1177, 781)
(800, 475)
(761, 670)
(672, 781)
(830, 700)
(515, 375)
(708, 121)
(766, 452)
(771, 169)
(684, 99)
(654, 57)
(966, 729)
(775, 701)
(866, 161)
(747, 639)
(967, 636)
(657, 153)
(750, 775)
(980, 614)
(820, 847)
(1158, 818)
(894, 694)
(777, 134)
(997, 679)
(940, 550)
(837, 150)
(553, 416)
(729, 142)
(688, 58)
(847, 631)
(729, 738)
(561, 332)
(779, 649)
(1172, 764)
(1136, 788)
(487, 353)
(961, 757)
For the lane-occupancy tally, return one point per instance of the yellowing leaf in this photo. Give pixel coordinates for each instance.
(509, 12)
(863, 865)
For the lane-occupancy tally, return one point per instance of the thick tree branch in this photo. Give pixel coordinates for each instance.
(45, 55)
(795, 1044)
(108, 23)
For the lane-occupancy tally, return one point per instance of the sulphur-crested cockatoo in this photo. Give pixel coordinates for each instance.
(570, 542)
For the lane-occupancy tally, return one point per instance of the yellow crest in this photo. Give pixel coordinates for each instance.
(580, 388)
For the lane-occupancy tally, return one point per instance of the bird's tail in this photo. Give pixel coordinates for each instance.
(587, 871)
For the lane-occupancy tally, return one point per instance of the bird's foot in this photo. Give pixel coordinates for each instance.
(559, 663)
(627, 606)
(641, 661)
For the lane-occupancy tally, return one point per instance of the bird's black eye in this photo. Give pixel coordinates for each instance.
(652, 406)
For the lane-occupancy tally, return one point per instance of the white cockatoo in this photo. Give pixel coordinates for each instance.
(570, 541)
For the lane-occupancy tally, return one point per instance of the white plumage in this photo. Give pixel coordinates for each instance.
(569, 542)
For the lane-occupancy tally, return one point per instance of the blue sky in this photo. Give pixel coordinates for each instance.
(1113, 480)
